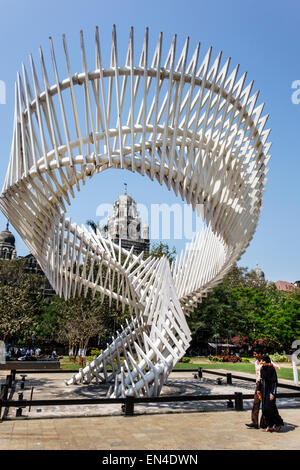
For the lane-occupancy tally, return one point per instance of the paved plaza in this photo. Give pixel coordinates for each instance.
(49, 386)
(223, 430)
(207, 425)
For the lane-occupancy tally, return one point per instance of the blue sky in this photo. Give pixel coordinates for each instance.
(262, 36)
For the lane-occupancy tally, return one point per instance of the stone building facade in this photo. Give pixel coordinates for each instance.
(7, 244)
(8, 252)
(125, 225)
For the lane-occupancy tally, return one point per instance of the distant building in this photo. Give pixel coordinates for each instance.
(7, 244)
(280, 285)
(32, 264)
(125, 225)
(8, 252)
(287, 286)
(259, 273)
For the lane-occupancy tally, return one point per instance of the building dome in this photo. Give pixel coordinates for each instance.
(259, 273)
(125, 198)
(7, 244)
(7, 237)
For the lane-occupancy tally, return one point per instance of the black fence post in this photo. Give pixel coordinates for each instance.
(4, 391)
(229, 378)
(19, 410)
(13, 374)
(129, 406)
(200, 372)
(9, 380)
(31, 398)
(238, 401)
(22, 385)
(3, 395)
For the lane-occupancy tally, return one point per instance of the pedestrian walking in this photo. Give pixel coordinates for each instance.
(257, 353)
(268, 390)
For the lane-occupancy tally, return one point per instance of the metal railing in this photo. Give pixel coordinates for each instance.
(235, 400)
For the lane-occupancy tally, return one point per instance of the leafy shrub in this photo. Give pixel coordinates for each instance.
(185, 359)
(245, 359)
(213, 358)
(277, 357)
(239, 341)
(216, 358)
(231, 358)
(95, 352)
(225, 358)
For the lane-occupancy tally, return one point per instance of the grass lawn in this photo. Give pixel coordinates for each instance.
(285, 372)
(66, 364)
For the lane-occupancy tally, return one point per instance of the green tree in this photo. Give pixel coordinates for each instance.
(17, 313)
(252, 309)
(217, 318)
(80, 319)
(47, 319)
(162, 249)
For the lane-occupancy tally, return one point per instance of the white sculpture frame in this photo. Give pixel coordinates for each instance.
(193, 126)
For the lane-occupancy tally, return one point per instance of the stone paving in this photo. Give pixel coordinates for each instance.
(182, 426)
(187, 431)
(52, 386)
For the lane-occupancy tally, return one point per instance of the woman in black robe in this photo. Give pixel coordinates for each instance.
(268, 389)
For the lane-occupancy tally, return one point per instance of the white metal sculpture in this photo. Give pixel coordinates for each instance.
(191, 125)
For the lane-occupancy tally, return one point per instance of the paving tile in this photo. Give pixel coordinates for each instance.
(5, 443)
(186, 429)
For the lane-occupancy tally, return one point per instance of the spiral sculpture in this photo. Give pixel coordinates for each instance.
(191, 124)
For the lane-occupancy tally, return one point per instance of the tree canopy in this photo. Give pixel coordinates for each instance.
(248, 311)
(242, 309)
